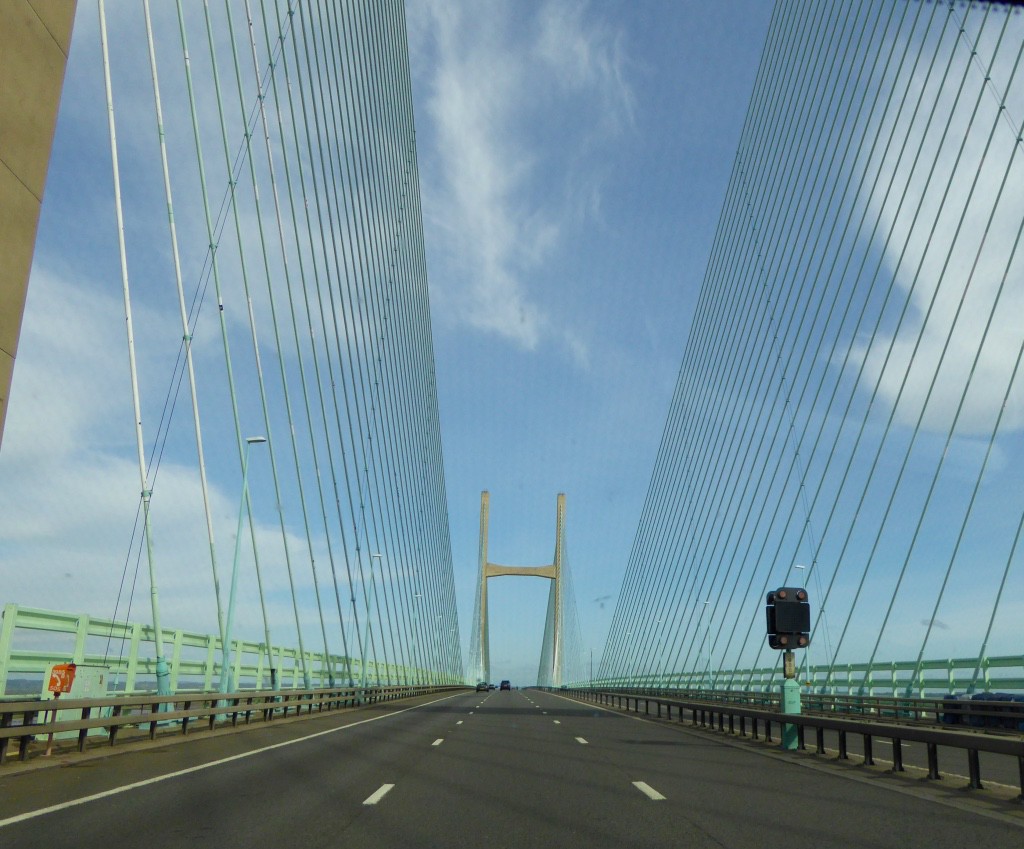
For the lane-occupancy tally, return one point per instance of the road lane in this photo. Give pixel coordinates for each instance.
(511, 772)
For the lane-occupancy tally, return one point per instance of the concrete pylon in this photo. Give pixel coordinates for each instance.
(552, 650)
(35, 36)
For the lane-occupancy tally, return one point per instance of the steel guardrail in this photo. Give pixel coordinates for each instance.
(976, 711)
(23, 721)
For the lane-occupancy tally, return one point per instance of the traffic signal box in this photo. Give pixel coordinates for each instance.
(789, 618)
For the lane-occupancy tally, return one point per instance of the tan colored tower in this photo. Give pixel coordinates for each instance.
(553, 572)
(35, 36)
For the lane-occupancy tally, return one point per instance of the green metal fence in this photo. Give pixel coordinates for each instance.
(896, 678)
(31, 640)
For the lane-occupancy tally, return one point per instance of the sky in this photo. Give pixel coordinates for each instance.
(573, 160)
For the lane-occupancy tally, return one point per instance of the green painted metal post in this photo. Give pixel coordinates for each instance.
(790, 701)
(366, 625)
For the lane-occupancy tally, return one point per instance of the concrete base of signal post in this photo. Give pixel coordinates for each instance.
(790, 704)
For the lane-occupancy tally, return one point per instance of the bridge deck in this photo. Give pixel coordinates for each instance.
(520, 768)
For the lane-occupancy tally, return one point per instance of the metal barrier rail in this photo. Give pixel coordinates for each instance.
(704, 714)
(974, 712)
(24, 721)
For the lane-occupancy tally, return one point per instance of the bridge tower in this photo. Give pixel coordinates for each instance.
(550, 672)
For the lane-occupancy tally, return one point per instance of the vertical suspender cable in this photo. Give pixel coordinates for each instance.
(162, 672)
(232, 392)
(185, 329)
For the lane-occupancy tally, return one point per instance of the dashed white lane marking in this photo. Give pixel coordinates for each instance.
(558, 722)
(471, 713)
(378, 794)
(189, 770)
(438, 741)
(459, 722)
(581, 740)
(648, 791)
(544, 712)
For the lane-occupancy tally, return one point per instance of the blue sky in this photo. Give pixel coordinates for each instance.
(573, 161)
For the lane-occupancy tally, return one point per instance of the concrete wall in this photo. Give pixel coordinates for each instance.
(35, 36)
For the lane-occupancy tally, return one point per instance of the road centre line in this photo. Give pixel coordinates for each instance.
(648, 791)
(438, 741)
(157, 779)
(378, 794)
(581, 741)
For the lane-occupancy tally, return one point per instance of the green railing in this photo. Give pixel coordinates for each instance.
(32, 640)
(896, 678)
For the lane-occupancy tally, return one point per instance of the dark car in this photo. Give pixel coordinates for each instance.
(505, 685)
(481, 687)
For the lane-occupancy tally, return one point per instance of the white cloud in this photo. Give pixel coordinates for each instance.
(952, 249)
(493, 210)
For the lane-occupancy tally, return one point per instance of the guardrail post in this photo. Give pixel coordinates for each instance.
(843, 756)
(113, 729)
(974, 769)
(869, 759)
(933, 761)
(897, 755)
(84, 732)
(7, 719)
(28, 718)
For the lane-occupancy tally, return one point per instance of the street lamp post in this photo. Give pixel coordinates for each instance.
(366, 624)
(226, 675)
(415, 624)
(706, 642)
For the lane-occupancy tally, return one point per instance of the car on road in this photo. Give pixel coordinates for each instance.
(505, 685)
(481, 686)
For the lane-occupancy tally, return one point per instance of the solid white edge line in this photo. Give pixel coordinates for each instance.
(438, 741)
(648, 791)
(157, 779)
(378, 794)
(581, 740)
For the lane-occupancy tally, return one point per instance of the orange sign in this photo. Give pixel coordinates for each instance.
(61, 678)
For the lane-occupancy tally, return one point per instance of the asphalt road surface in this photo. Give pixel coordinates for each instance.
(498, 769)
